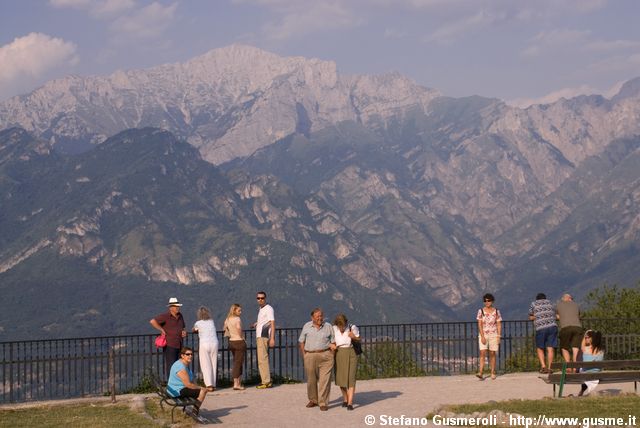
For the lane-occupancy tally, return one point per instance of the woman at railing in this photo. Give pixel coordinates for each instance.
(490, 329)
(207, 346)
(237, 344)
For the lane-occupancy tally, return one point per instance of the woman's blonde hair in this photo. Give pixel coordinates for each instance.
(203, 313)
(232, 311)
(231, 314)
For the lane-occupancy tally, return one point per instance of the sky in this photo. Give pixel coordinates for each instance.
(521, 51)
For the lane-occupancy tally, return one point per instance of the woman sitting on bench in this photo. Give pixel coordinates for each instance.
(592, 350)
(180, 382)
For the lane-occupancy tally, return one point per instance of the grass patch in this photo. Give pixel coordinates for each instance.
(153, 409)
(620, 406)
(80, 415)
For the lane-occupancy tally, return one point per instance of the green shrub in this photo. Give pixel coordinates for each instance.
(145, 386)
(386, 359)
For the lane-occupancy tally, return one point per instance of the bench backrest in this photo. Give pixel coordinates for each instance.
(610, 364)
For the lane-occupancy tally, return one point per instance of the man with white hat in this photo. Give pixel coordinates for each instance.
(172, 326)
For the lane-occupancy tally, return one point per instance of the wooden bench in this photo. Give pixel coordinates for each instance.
(610, 372)
(174, 402)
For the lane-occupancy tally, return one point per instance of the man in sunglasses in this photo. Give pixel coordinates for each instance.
(265, 338)
(181, 383)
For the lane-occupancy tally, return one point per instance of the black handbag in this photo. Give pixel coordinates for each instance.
(357, 344)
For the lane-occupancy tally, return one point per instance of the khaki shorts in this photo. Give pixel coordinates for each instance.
(492, 343)
(571, 337)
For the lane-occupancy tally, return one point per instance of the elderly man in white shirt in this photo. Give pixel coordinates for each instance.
(317, 345)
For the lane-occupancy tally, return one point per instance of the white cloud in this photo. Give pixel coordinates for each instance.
(30, 58)
(612, 45)
(421, 4)
(572, 6)
(586, 6)
(97, 8)
(75, 4)
(553, 40)
(566, 93)
(392, 33)
(301, 18)
(455, 29)
(298, 18)
(627, 64)
(126, 20)
(560, 37)
(112, 7)
(149, 22)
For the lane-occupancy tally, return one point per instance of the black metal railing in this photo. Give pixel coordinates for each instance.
(63, 368)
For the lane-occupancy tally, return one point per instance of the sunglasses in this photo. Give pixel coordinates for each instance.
(188, 354)
(487, 300)
(260, 298)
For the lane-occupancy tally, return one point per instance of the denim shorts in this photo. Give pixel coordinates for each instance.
(547, 337)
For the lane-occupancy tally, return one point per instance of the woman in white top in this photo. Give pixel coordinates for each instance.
(208, 346)
(346, 363)
(489, 332)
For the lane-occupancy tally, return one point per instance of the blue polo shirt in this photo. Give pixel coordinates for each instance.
(316, 339)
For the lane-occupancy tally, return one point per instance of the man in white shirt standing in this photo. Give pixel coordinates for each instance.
(265, 338)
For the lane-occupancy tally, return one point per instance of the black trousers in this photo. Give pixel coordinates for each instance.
(171, 355)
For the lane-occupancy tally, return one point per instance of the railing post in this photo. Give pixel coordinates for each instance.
(82, 367)
(11, 373)
(279, 351)
(112, 375)
(404, 348)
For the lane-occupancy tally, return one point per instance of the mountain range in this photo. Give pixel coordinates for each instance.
(241, 170)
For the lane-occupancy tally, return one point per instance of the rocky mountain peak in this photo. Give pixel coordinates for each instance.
(630, 89)
(228, 102)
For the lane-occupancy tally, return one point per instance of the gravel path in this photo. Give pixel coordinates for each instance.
(284, 405)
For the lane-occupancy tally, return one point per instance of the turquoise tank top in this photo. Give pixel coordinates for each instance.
(175, 384)
(592, 357)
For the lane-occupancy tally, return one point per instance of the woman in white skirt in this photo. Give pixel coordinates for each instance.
(207, 346)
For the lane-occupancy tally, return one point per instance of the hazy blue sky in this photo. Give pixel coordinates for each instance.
(512, 49)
